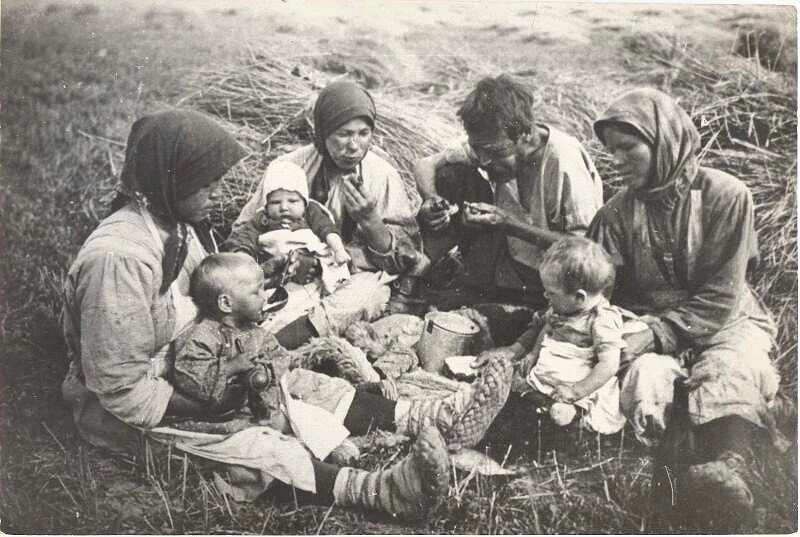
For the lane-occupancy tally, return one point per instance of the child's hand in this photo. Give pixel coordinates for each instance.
(272, 268)
(501, 353)
(565, 393)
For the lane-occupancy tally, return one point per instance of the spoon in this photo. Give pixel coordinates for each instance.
(280, 296)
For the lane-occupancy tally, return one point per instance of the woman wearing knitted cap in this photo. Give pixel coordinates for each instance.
(368, 201)
(683, 238)
(127, 298)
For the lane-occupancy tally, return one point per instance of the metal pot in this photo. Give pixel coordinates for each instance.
(443, 335)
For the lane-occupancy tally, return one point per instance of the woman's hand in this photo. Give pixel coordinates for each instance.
(488, 215)
(358, 205)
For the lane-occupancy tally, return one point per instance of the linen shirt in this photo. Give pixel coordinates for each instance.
(560, 190)
(115, 320)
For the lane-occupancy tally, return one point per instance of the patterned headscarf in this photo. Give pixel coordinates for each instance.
(170, 156)
(672, 136)
(338, 103)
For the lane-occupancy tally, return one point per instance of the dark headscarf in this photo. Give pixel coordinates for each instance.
(170, 156)
(338, 103)
(672, 136)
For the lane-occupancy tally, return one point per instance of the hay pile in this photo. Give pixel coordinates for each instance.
(267, 104)
(748, 125)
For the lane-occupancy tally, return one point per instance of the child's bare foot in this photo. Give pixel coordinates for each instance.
(562, 414)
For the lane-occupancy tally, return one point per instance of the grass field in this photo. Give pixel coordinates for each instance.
(76, 74)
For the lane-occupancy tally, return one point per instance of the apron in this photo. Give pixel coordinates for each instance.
(560, 361)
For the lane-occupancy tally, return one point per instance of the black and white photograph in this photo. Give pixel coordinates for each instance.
(398, 267)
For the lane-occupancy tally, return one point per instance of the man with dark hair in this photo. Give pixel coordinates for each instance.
(503, 195)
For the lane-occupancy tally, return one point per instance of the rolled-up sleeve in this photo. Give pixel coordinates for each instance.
(118, 338)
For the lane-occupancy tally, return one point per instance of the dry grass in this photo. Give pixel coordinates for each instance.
(259, 94)
(70, 101)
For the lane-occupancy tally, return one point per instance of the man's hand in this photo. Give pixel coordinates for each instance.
(639, 343)
(485, 214)
(433, 214)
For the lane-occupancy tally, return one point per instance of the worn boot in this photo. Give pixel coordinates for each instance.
(407, 489)
(719, 492)
(464, 416)
(395, 361)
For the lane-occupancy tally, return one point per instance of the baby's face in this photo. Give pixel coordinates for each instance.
(248, 294)
(285, 205)
(562, 301)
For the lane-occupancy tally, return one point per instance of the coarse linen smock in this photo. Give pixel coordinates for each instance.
(699, 296)
(558, 191)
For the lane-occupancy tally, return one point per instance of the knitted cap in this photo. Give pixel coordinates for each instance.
(285, 175)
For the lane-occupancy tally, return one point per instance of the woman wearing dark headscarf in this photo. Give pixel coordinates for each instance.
(366, 197)
(127, 291)
(683, 238)
(126, 298)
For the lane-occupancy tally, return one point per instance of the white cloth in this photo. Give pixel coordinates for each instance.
(647, 393)
(315, 427)
(733, 376)
(273, 454)
(560, 361)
